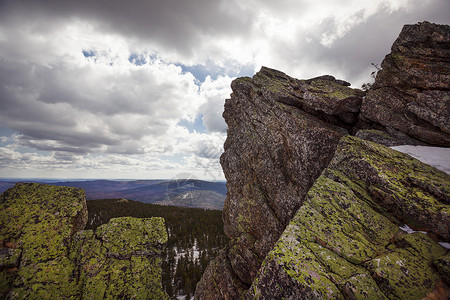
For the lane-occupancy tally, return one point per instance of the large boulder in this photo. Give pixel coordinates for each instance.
(346, 241)
(343, 206)
(411, 92)
(282, 132)
(44, 253)
(120, 260)
(37, 223)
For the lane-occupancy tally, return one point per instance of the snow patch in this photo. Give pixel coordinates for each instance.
(409, 230)
(434, 156)
(445, 245)
(194, 251)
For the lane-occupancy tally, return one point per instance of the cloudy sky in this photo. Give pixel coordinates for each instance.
(135, 89)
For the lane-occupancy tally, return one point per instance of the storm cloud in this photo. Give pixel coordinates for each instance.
(102, 88)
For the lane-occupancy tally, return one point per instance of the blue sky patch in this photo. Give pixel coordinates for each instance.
(137, 59)
(197, 125)
(200, 72)
(89, 53)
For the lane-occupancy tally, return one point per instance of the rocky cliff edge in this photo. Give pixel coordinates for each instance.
(316, 202)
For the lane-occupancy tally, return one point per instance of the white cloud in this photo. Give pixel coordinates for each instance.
(215, 92)
(79, 103)
(75, 102)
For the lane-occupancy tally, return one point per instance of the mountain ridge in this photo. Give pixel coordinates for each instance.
(210, 195)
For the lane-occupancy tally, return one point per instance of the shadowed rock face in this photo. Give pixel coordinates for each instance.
(45, 254)
(314, 213)
(281, 151)
(219, 280)
(411, 93)
(282, 134)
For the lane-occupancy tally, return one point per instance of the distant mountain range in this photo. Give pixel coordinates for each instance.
(181, 192)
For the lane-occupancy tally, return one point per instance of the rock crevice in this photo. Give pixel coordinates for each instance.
(411, 92)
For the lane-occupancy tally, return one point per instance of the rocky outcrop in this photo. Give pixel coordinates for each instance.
(315, 213)
(282, 150)
(411, 92)
(36, 226)
(45, 253)
(288, 131)
(346, 242)
(120, 260)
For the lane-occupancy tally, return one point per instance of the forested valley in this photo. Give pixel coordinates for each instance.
(195, 237)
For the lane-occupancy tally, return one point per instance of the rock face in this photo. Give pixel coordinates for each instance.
(288, 131)
(264, 180)
(314, 212)
(345, 241)
(411, 92)
(45, 253)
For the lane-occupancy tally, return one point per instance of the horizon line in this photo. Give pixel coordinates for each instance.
(106, 179)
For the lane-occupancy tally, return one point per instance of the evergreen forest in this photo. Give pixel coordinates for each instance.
(195, 237)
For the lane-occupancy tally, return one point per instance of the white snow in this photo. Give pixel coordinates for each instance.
(194, 250)
(409, 230)
(445, 245)
(433, 156)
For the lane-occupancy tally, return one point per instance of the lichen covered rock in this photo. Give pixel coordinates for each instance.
(44, 253)
(388, 137)
(343, 199)
(38, 222)
(120, 260)
(325, 97)
(411, 92)
(125, 237)
(345, 241)
(281, 150)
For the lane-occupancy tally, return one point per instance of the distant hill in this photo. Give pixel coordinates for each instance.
(181, 192)
(4, 185)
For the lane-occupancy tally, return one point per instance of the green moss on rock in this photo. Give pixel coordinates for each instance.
(392, 181)
(403, 275)
(442, 264)
(44, 255)
(128, 236)
(345, 240)
(40, 219)
(421, 245)
(46, 280)
(120, 260)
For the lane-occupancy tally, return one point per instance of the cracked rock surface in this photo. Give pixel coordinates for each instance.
(345, 241)
(316, 200)
(44, 253)
(412, 91)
